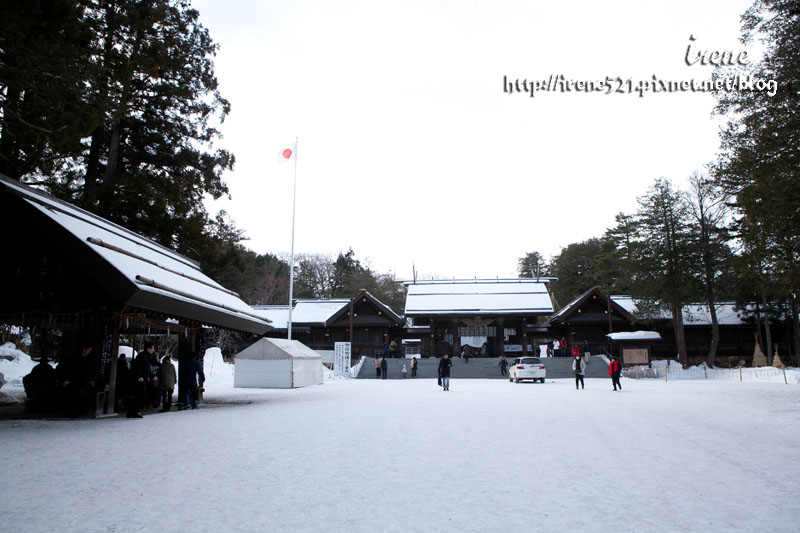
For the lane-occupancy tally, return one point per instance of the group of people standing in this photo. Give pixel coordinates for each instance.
(579, 369)
(382, 368)
(152, 381)
(70, 386)
(148, 382)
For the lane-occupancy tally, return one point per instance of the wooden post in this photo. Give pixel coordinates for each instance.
(112, 375)
(433, 338)
(784, 376)
(524, 335)
(666, 371)
(351, 324)
(705, 372)
(456, 339)
(499, 339)
(740, 373)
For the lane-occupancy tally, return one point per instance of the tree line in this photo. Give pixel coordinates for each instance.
(731, 233)
(114, 106)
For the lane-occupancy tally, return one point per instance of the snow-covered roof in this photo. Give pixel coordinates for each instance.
(158, 276)
(266, 348)
(305, 312)
(635, 336)
(478, 297)
(693, 314)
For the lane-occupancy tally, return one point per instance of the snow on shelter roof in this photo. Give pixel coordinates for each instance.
(304, 312)
(478, 297)
(158, 278)
(267, 348)
(635, 336)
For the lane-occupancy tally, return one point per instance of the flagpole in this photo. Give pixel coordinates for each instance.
(291, 257)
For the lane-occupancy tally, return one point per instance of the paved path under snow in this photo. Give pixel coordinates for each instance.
(405, 456)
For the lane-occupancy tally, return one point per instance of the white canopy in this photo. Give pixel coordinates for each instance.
(277, 364)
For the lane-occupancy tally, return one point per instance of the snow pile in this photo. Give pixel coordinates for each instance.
(17, 368)
(766, 374)
(662, 363)
(218, 372)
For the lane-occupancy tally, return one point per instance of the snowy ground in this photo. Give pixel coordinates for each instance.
(369, 455)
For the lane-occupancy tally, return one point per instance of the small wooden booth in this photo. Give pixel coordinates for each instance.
(634, 347)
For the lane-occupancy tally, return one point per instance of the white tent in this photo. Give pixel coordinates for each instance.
(277, 364)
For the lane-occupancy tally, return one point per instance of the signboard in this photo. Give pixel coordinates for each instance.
(635, 356)
(341, 358)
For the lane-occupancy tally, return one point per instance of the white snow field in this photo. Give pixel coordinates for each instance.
(402, 455)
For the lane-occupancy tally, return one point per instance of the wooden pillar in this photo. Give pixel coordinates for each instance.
(188, 346)
(499, 342)
(523, 333)
(351, 324)
(433, 338)
(456, 339)
(112, 375)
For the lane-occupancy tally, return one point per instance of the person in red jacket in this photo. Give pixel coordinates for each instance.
(614, 370)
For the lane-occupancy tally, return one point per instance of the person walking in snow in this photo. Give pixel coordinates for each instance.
(384, 368)
(166, 380)
(444, 371)
(503, 365)
(413, 367)
(579, 367)
(404, 371)
(378, 367)
(614, 370)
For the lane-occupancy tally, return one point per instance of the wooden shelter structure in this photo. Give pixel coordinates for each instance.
(501, 314)
(87, 280)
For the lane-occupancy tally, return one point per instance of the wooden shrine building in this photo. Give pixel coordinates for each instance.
(363, 321)
(590, 317)
(84, 280)
(494, 316)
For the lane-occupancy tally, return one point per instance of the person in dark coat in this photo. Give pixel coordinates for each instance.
(384, 368)
(614, 370)
(122, 382)
(413, 367)
(78, 378)
(393, 349)
(444, 371)
(503, 366)
(587, 350)
(579, 367)
(140, 376)
(153, 390)
(191, 369)
(166, 381)
(40, 385)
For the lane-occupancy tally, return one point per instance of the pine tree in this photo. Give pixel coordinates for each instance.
(759, 164)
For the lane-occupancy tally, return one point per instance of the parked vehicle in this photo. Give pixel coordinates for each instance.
(527, 368)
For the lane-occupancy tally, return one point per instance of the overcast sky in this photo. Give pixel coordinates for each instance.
(409, 149)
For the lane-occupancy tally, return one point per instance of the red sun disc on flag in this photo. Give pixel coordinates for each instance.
(287, 153)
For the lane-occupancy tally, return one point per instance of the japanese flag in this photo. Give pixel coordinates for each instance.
(288, 153)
